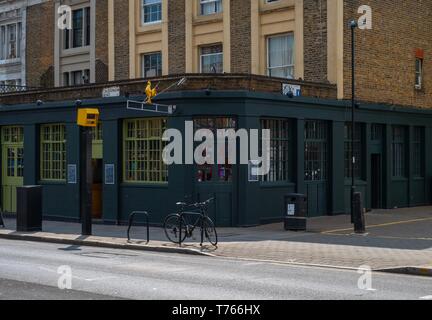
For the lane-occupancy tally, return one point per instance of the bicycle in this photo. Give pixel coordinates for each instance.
(179, 226)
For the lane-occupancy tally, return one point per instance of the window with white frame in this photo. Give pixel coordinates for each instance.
(211, 59)
(151, 65)
(76, 78)
(10, 41)
(280, 56)
(210, 6)
(151, 11)
(79, 35)
(419, 73)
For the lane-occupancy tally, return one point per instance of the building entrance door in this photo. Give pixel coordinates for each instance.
(12, 166)
(216, 180)
(97, 164)
(316, 167)
(376, 172)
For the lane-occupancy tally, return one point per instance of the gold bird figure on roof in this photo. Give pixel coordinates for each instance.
(150, 92)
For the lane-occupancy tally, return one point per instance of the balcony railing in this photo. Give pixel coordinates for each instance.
(10, 88)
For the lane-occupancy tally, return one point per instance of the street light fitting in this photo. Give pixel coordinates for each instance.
(353, 24)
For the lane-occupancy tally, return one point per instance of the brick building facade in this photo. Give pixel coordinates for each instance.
(311, 153)
(386, 55)
(40, 45)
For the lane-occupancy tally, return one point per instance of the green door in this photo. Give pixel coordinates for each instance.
(12, 165)
(216, 180)
(316, 167)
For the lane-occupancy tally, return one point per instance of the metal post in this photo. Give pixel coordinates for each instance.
(202, 228)
(353, 25)
(86, 180)
(1, 219)
(180, 228)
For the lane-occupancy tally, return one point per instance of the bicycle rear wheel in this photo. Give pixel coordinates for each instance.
(172, 228)
(210, 231)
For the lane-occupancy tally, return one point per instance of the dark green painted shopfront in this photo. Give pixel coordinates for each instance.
(310, 154)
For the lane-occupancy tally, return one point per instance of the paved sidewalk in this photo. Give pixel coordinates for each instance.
(398, 240)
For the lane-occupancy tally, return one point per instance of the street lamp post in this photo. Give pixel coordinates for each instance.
(357, 215)
(353, 25)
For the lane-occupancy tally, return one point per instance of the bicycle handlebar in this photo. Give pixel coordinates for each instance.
(197, 204)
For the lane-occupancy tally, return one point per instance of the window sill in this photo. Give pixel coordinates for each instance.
(209, 18)
(52, 182)
(10, 61)
(275, 185)
(357, 182)
(282, 5)
(75, 51)
(158, 185)
(418, 178)
(150, 27)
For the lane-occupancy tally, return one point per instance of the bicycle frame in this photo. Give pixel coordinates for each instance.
(199, 222)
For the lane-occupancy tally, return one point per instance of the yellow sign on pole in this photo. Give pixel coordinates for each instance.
(88, 117)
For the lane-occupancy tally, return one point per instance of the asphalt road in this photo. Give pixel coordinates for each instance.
(29, 270)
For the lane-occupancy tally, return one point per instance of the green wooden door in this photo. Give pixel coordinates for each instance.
(316, 167)
(216, 180)
(12, 166)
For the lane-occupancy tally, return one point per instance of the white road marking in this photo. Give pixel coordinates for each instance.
(79, 278)
(426, 298)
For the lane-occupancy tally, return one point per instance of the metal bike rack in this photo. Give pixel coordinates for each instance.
(131, 218)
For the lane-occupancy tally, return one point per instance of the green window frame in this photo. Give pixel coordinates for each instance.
(358, 154)
(53, 152)
(97, 133)
(220, 172)
(142, 151)
(399, 152)
(12, 145)
(316, 150)
(280, 156)
(418, 152)
(12, 135)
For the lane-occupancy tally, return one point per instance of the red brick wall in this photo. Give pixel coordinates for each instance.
(40, 45)
(194, 82)
(315, 40)
(121, 39)
(386, 54)
(176, 36)
(241, 36)
(101, 63)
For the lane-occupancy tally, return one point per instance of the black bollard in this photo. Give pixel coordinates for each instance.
(359, 219)
(1, 220)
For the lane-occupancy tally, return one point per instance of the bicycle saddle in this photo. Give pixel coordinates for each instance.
(182, 204)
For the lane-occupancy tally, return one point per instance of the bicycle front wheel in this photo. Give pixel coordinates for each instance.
(210, 231)
(172, 228)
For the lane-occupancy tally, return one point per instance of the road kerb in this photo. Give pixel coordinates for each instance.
(414, 271)
(99, 242)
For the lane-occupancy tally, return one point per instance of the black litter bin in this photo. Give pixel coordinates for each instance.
(29, 208)
(295, 218)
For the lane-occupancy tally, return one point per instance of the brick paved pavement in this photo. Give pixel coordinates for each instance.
(396, 238)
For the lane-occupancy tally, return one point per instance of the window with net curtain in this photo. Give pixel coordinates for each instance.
(210, 6)
(281, 56)
(211, 59)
